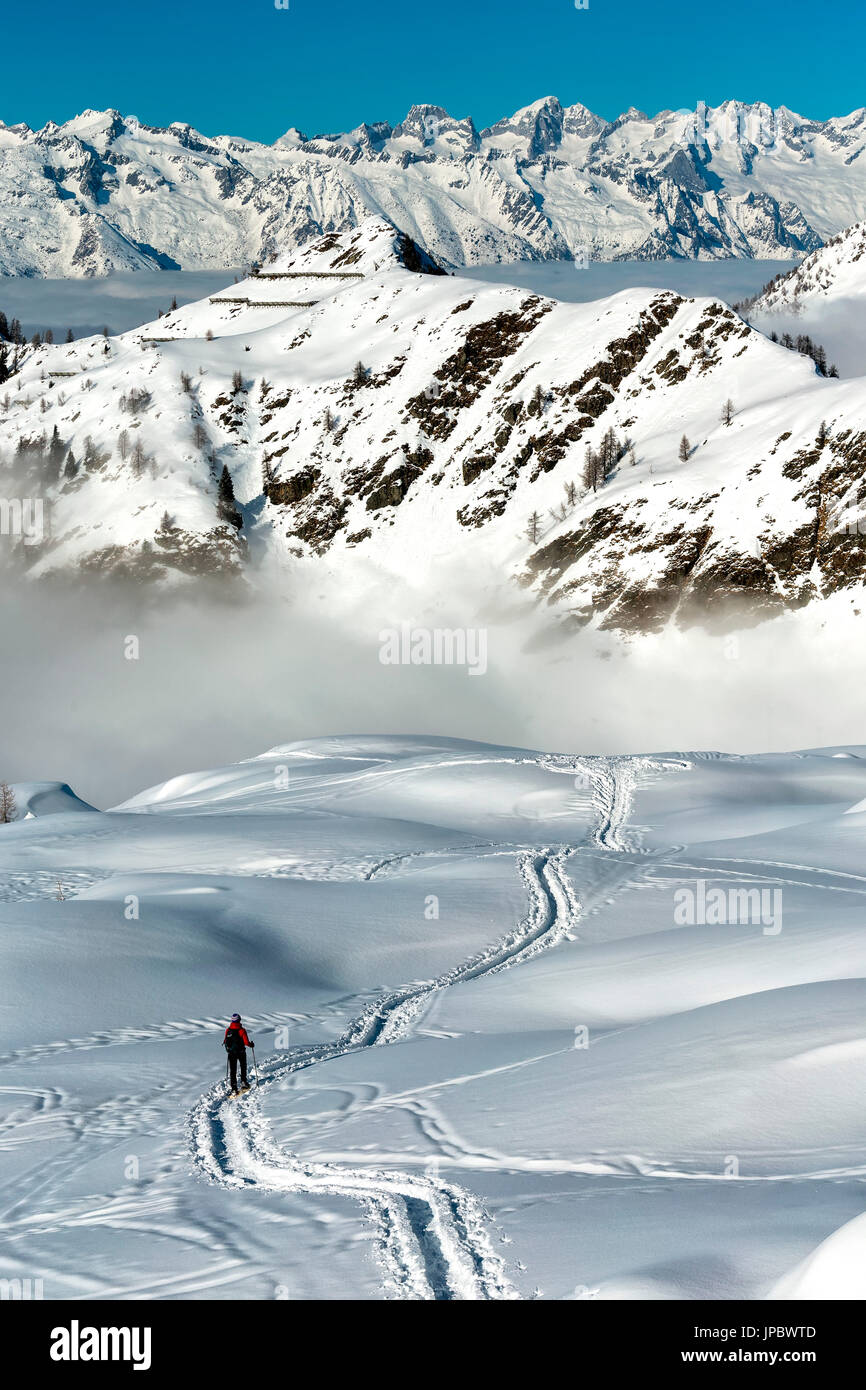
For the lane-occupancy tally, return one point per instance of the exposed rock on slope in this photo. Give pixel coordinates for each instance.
(368, 413)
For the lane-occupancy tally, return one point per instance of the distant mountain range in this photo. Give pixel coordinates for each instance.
(105, 192)
(629, 463)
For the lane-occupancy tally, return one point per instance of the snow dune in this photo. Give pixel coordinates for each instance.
(47, 799)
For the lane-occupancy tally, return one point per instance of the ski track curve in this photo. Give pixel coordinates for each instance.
(432, 1237)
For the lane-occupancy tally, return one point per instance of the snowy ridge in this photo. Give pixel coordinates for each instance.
(833, 271)
(407, 416)
(822, 297)
(105, 192)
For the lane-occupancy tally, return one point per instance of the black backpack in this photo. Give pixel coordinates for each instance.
(233, 1042)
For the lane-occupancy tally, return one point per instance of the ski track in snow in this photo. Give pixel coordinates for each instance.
(432, 1237)
(169, 1031)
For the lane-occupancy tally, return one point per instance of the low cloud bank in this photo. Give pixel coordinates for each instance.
(111, 690)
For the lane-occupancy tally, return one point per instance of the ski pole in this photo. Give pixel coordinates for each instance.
(255, 1068)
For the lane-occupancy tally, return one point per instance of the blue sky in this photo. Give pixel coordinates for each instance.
(325, 65)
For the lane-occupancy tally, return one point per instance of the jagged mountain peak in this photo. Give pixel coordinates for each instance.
(291, 139)
(104, 192)
(420, 112)
(537, 127)
(433, 128)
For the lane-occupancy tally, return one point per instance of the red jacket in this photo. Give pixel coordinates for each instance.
(241, 1031)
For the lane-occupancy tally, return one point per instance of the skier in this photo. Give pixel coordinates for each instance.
(236, 1043)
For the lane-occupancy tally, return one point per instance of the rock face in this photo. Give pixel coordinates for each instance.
(104, 192)
(371, 411)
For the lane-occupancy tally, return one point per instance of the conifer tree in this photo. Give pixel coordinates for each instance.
(56, 450)
(226, 505)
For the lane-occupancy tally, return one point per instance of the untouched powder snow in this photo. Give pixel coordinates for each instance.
(504, 1049)
(837, 1269)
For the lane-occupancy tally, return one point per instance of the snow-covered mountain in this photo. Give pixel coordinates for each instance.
(370, 411)
(103, 192)
(376, 416)
(825, 297)
(836, 270)
(527, 1025)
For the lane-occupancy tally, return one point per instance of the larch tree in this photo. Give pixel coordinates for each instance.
(8, 807)
(138, 458)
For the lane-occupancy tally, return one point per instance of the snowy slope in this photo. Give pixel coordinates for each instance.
(106, 192)
(825, 298)
(493, 1062)
(386, 422)
(834, 1271)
